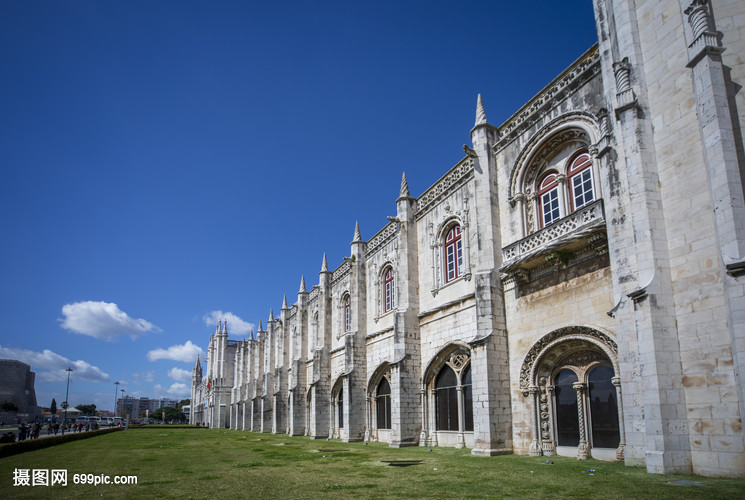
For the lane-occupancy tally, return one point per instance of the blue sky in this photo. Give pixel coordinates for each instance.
(170, 163)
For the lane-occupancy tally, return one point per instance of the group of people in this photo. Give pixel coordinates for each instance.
(32, 431)
(29, 431)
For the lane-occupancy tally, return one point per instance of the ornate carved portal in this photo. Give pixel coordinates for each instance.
(569, 379)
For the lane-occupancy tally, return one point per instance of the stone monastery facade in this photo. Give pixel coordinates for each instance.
(575, 285)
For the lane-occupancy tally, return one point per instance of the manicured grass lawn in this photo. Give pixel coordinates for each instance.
(202, 463)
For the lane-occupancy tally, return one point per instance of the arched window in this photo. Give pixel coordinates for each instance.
(453, 254)
(389, 290)
(580, 181)
(383, 404)
(446, 400)
(548, 199)
(603, 408)
(347, 314)
(467, 399)
(340, 406)
(567, 420)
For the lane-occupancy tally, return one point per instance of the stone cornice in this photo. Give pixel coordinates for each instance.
(382, 237)
(553, 91)
(445, 185)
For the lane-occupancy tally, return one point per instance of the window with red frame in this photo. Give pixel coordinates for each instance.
(388, 281)
(580, 180)
(548, 199)
(453, 254)
(347, 314)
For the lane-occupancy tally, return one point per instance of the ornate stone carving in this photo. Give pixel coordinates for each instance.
(580, 223)
(624, 93)
(381, 238)
(447, 183)
(590, 60)
(341, 272)
(581, 333)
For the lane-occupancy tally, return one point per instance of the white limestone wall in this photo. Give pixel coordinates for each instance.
(454, 208)
(703, 311)
(583, 300)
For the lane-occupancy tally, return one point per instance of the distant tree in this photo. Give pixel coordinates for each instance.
(172, 414)
(87, 409)
(8, 406)
(53, 407)
(182, 403)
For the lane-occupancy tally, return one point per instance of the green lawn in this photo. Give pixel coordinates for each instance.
(202, 463)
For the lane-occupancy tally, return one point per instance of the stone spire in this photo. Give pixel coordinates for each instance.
(284, 302)
(404, 187)
(324, 264)
(225, 327)
(261, 327)
(302, 284)
(218, 328)
(480, 112)
(357, 235)
(271, 314)
(197, 365)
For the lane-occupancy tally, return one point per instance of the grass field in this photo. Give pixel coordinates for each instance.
(202, 463)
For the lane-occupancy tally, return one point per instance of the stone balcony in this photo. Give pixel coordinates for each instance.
(557, 245)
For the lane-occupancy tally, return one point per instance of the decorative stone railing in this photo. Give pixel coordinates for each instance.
(444, 185)
(381, 238)
(341, 271)
(579, 224)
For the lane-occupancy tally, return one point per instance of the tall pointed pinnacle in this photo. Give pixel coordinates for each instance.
(271, 314)
(225, 327)
(219, 327)
(324, 264)
(284, 302)
(357, 235)
(261, 327)
(302, 283)
(196, 364)
(404, 187)
(251, 335)
(480, 112)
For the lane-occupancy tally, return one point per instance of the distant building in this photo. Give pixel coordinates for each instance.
(17, 387)
(137, 406)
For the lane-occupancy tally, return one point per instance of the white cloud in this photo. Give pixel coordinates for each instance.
(187, 353)
(176, 391)
(179, 374)
(51, 367)
(235, 324)
(103, 320)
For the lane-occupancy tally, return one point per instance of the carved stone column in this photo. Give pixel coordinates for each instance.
(522, 210)
(535, 448)
(561, 179)
(461, 417)
(616, 381)
(548, 443)
(368, 419)
(583, 450)
(423, 434)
